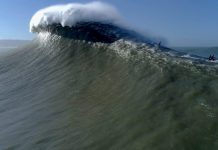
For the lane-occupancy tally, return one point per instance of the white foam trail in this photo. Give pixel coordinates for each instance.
(70, 14)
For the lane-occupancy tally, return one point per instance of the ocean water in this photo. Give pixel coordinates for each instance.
(6, 49)
(8, 46)
(60, 93)
(105, 90)
(200, 51)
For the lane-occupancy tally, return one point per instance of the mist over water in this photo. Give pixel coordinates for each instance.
(64, 92)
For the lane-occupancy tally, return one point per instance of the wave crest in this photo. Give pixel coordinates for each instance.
(95, 22)
(70, 14)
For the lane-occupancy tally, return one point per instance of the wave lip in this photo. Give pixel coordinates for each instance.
(94, 22)
(71, 14)
(93, 32)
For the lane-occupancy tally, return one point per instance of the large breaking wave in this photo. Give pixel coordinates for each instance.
(90, 83)
(95, 22)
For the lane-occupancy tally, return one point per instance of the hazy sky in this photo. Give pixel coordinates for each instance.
(180, 22)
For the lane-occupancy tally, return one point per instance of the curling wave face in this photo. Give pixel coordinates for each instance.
(93, 32)
(94, 22)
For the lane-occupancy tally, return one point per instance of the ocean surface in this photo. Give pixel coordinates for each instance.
(7, 46)
(62, 92)
(6, 49)
(200, 51)
(58, 93)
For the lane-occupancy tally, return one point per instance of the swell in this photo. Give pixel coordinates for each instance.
(72, 94)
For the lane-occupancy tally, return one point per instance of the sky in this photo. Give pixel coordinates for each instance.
(178, 22)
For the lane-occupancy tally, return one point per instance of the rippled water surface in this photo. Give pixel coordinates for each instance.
(63, 94)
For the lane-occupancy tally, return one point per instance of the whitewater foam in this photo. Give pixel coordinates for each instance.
(70, 14)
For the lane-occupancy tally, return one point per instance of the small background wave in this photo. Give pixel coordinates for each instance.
(200, 51)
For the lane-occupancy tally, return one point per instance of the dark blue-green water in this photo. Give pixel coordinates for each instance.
(58, 93)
